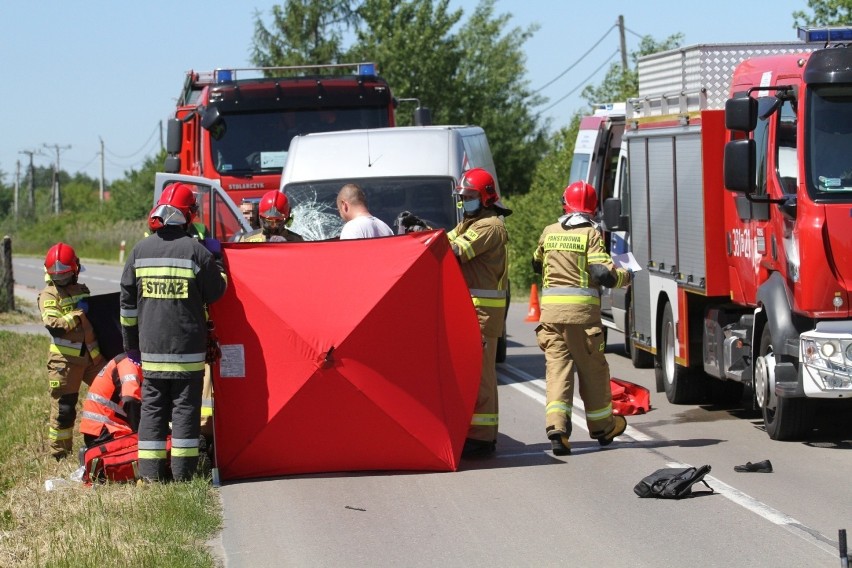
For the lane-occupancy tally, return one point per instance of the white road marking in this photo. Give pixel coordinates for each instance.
(521, 382)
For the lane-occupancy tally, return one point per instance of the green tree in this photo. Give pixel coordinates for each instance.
(620, 84)
(491, 91)
(302, 32)
(419, 54)
(132, 197)
(825, 13)
(412, 44)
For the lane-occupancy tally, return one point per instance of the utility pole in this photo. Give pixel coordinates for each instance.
(102, 169)
(161, 136)
(17, 185)
(31, 197)
(623, 44)
(57, 198)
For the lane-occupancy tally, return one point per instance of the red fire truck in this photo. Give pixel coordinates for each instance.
(738, 205)
(235, 125)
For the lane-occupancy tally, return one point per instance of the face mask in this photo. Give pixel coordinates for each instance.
(471, 206)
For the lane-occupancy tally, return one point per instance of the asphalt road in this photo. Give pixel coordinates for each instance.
(526, 507)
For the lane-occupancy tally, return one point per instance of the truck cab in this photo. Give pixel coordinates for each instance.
(235, 125)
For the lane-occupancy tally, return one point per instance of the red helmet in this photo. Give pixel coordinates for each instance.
(177, 206)
(61, 261)
(274, 205)
(580, 197)
(480, 183)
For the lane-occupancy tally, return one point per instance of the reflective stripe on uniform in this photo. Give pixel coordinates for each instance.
(64, 434)
(601, 414)
(174, 367)
(488, 298)
(128, 317)
(178, 362)
(94, 397)
(599, 258)
(152, 450)
(94, 417)
(484, 420)
(570, 295)
(206, 407)
(185, 447)
(557, 406)
(65, 347)
(182, 267)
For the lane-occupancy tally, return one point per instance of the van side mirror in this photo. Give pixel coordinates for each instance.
(422, 116)
(741, 114)
(612, 218)
(739, 165)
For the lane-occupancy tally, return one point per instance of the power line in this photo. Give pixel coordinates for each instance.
(634, 33)
(140, 150)
(571, 92)
(576, 62)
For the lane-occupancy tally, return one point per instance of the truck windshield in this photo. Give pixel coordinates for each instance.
(315, 215)
(830, 143)
(256, 143)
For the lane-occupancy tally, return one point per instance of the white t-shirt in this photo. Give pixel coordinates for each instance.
(365, 227)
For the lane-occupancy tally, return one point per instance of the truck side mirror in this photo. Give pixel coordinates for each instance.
(172, 165)
(213, 122)
(739, 166)
(174, 133)
(741, 114)
(612, 219)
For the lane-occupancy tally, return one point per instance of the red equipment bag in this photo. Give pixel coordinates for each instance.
(115, 460)
(629, 398)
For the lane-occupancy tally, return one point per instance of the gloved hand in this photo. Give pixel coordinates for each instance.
(83, 306)
(408, 220)
(134, 355)
(213, 245)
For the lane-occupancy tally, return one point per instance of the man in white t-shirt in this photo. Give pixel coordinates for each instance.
(352, 206)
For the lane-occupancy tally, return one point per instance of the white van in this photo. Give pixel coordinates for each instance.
(410, 168)
(400, 169)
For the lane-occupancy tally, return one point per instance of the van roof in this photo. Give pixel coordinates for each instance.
(378, 152)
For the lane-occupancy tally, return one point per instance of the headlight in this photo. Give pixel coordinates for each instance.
(828, 349)
(849, 352)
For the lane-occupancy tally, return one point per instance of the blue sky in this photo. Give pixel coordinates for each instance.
(77, 72)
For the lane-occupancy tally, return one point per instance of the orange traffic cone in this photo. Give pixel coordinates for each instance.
(535, 309)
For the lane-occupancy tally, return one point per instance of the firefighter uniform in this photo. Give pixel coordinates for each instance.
(168, 279)
(112, 406)
(480, 243)
(73, 358)
(570, 331)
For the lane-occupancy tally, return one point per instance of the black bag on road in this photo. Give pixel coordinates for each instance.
(672, 483)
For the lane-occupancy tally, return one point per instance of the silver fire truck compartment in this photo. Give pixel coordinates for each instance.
(703, 70)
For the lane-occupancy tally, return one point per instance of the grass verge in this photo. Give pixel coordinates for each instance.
(159, 526)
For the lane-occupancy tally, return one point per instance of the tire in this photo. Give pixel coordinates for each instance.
(783, 418)
(681, 387)
(640, 358)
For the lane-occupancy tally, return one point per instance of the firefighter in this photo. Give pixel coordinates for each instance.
(168, 279)
(480, 244)
(112, 406)
(575, 265)
(275, 220)
(74, 356)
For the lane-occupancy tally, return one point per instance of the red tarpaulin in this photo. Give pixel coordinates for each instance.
(343, 356)
(629, 398)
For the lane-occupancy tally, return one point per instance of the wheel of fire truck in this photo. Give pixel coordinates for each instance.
(784, 418)
(640, 358)
(680, 385)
